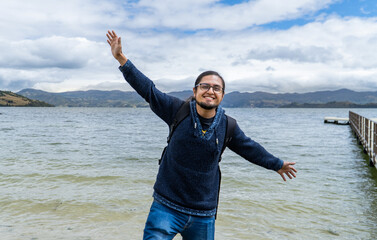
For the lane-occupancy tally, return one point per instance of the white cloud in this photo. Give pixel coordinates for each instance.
(50, 61)
(50, 52)
(314, 56)
(70, 18)
(60, 46)
(209, 14)
(293, 53)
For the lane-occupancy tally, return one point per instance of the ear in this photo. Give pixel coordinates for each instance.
(194, 90)
(222, 96)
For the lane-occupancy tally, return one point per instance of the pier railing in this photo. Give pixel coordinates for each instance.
(366, 133)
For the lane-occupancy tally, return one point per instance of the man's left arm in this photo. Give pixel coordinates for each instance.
(255, 153)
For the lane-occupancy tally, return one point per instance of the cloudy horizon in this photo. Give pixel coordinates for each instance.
(258, 45)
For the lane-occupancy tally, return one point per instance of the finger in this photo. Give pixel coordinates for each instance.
(115, 35)
(293, 169)
(108, 37)
(108, 42)
(109, 34)
(293, 174)
(289, 175)
(282, 175)
(119, 41)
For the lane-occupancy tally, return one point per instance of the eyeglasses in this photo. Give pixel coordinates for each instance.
(205, 87)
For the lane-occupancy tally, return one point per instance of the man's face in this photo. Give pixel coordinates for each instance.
(209, 99)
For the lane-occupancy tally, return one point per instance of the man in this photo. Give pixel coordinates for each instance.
(187, 185)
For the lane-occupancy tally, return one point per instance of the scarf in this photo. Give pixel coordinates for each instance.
(198, 126)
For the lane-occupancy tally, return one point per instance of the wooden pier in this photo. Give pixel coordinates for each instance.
(366, 132)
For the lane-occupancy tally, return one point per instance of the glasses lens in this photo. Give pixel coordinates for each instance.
(204, 86)
(217, 88)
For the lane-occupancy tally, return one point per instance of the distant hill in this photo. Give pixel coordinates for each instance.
(10, 99)
(263, 99)
(184, 95)
(92, 98)
(96, 98)
(330, 105)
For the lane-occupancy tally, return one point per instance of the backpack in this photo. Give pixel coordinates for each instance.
(183, 112)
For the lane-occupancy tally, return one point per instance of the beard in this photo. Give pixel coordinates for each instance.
(206, 106)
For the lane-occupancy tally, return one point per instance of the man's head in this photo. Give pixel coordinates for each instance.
(209, 90)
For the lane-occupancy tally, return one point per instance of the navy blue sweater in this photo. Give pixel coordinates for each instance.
(188, 177)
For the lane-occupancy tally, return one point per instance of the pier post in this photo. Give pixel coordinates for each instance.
(366, 133)
(374, 144)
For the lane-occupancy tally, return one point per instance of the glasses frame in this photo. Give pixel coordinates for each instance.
(210, 86)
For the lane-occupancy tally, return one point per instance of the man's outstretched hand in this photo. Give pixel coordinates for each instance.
(288, 170)
(116, 47)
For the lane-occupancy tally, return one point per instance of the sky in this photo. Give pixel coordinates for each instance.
(277, 46)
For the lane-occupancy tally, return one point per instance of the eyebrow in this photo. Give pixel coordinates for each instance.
(211, 85)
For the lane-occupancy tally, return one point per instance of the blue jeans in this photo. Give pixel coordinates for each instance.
(164, 223)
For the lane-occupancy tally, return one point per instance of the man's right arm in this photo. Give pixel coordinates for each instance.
(163, 105)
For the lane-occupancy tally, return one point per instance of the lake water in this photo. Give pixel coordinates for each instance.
(88, 173)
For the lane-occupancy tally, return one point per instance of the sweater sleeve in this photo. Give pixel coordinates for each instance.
(253, 151)
(163, 105)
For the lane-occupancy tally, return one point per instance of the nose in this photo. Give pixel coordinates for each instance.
(210, 90)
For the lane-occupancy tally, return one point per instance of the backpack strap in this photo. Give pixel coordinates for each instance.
(230, 126)
(182, 113)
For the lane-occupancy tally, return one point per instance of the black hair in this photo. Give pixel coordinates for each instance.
(208, 73)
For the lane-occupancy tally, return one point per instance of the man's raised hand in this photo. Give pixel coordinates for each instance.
(116, 47)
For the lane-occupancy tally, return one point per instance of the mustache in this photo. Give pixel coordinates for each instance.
(205, 106)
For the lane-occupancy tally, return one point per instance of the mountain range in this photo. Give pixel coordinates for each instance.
(97, 98)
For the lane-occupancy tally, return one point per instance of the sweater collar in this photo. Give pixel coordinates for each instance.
(198, 126)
